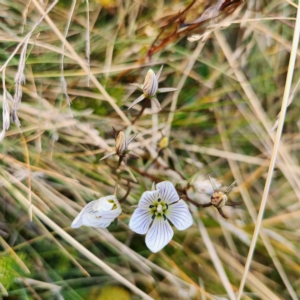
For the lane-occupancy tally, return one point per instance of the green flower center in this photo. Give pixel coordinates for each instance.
(159, 209)
(115, 206)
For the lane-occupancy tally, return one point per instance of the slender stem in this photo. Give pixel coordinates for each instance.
(120, 161)
(127, 193)
(145, 174)
(154, 160)
(274, 152)
(192, 201)
(222, 213)
(117, 173)
(145, 104)
(116, 186)
(76, 245)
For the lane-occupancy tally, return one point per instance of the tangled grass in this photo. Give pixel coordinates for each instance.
(66, 72)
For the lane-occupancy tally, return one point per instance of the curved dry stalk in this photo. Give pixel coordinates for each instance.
(69, 239)
(63, 80)
(28, 35)
(187, 69)
(286, 162)
(88, 45)
(274, 152)
(213, 254)
(246, 198)
(97, 84)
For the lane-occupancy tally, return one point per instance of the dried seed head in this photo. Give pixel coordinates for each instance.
(150, 85)
(218, 199)
(121, 144)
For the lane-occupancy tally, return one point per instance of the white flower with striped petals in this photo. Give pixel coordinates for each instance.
(98, 213)
(155, 210)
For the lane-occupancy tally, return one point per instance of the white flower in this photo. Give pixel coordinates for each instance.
(157, 207)
(200, 188)
(98, 213)
(150, 88)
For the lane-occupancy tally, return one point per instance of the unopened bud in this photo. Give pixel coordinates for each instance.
(163, 143)
(150, 85)
(121, 145)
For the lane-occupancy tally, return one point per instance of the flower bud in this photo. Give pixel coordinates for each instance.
(121, 145)
(150, 85)
(163, 143)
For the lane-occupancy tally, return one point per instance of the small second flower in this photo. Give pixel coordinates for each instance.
(98, 213)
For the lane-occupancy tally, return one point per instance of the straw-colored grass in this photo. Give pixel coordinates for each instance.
(78, 60)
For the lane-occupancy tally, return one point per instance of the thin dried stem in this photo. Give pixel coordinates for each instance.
(69, 239)
(145, 104)
(213, 254)
(88, 45)
(63, 80)
(274, 153)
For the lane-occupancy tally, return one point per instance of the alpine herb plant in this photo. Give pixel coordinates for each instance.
(162, 205)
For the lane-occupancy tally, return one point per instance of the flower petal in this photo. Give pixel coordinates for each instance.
(140, 86)
(108, 155)
(137, 100)
(156, 102)
(150, 84)
(148, 198)
(131, 138)
(121, 145)
(159, 234)
(105, 204)
(167, 89)
(90, 219)
(167, 192)
(159, 72)
(140, 220)
(87, 209)
(179, 214)
(112, 214)
(203, 185)
(153, 188)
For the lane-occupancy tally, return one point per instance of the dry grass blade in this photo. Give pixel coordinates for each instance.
(217, 122)
(76, 244)
(249, 204)
(275, 150)
(63, 80)
(214, 256)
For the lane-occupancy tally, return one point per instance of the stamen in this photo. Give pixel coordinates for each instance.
(165, 218)
(167, 205)
(158, 199)
(159, 208)
(151, 206)
(153, 216)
